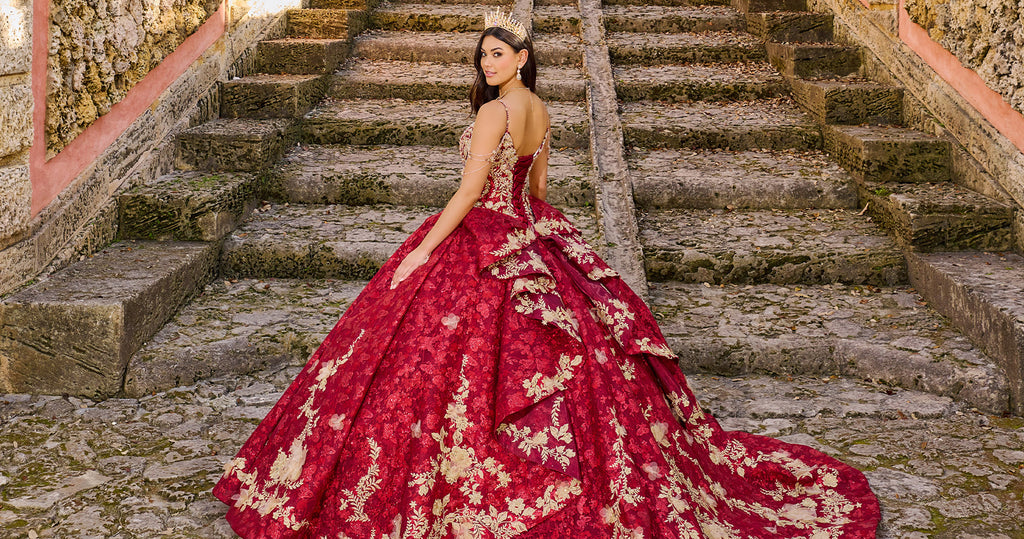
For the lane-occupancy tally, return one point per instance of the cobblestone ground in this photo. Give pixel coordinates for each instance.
(139, 468)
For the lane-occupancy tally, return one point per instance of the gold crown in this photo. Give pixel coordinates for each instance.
(504, 20)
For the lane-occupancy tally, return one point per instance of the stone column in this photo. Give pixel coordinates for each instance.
(15, 117)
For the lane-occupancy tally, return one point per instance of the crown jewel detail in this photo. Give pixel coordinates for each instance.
(504, 20)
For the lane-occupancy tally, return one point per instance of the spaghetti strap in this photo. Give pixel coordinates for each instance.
(543, 141)
(508, 117)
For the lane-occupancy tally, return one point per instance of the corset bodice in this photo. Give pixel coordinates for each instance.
(507, 189)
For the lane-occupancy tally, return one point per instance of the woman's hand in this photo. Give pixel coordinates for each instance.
(413, 260)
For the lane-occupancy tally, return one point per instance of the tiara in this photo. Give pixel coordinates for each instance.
(505, 21)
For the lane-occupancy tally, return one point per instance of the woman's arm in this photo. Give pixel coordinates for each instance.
(539, 171)
(488, 129)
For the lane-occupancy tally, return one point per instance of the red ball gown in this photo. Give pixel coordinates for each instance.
(514, 386)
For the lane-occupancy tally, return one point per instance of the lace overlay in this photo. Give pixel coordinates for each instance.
(502, 192)
(514, 386)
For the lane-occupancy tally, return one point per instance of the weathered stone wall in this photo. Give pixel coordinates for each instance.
(986, 35)
(983, 159)
(99, 49)
(83, 218)
(15, 117)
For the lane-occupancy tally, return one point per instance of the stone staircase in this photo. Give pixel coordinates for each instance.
(751, 185)
(729, 160)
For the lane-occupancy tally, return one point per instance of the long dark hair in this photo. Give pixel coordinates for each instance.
(481, 92)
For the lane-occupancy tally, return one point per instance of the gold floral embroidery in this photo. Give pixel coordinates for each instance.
(533, 280)
(269, 496)
(735, 456)
(418, 523)
(547, 226)
(628, 368)
(525, 199)
(600, 273)
(533, 284)
(365, 487)
(658, 349)
(624, 463)
(515, 240)
(498, 190)
(529, 441)
(622, 492)
(541, 386)
(288, 466)
(615, 314)
(461, 466)
(576, 247)
(509, 267)
(561, 317)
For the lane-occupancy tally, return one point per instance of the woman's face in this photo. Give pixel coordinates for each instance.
(498, 60)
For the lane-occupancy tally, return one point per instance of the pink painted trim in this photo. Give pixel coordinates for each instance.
(40, 47)
(965, 81)
(51, 177)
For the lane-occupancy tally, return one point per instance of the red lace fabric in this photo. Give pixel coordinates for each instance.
(514, 386)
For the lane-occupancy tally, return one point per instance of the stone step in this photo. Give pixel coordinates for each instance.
(792, 26)
(751, 180)
(492, 3)
(775, 124)
(242, 326)
(557, 19)
(343, 4)
(301, 56)
(850, 101)
(333, 241)
(237, 327)
(456, 47)
(430, 122)
(780, 247)
(676, 3)
(888, 153)
(318, 241)
(233, 144)
(325, 23)
(186, 206)
(699, 82)
(982, 294)
(270, 96)
(885, 335)
(747, 6)
(671, 19)
(75, 331)
(814, 60)
(417, 17)
(391, 79)
(940, 216)
(406, 175)
(628, 48)
(774, 405)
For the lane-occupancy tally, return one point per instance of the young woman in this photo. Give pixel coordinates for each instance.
(497, 379)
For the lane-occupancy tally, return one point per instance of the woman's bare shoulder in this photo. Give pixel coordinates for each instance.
(543, 108)
(490, 115)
